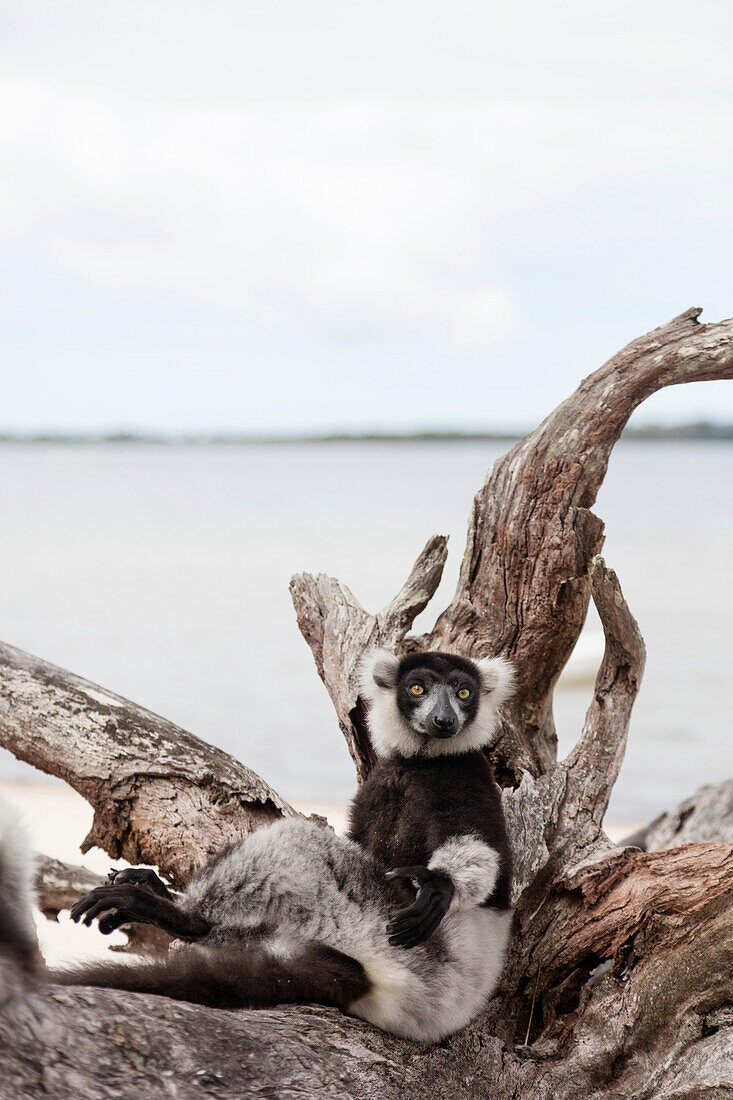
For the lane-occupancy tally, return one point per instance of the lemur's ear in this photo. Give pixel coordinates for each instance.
(497, 678)
(378, 669)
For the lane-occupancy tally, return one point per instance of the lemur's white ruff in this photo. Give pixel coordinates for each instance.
(389, 731)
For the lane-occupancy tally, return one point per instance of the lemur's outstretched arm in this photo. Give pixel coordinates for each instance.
(137, 895)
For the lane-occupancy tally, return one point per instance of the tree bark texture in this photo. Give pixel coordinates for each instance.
(159, 794)
(619, 979)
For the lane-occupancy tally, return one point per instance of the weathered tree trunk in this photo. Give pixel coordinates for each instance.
(619, 981)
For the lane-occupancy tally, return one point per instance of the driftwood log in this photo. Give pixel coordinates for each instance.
(619, 981)
(159, 794)
(706, 815)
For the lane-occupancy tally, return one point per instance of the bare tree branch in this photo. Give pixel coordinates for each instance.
(415, 594)
(59, 885)
(594, 764)
(706, 816)
(159, 794)
(635, 957)
(524, 585)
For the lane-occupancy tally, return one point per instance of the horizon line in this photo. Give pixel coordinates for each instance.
(693, 430)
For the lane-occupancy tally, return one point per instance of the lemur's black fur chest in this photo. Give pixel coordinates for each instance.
(410, 806)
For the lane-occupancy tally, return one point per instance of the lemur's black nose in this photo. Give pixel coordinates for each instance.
(444, 722)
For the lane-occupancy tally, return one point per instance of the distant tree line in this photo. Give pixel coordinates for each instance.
(696, 430)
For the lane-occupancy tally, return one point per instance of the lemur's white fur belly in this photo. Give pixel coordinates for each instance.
(423, 1000)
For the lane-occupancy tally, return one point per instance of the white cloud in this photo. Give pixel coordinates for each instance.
(352, 210)
(402, 170)
(481, 316)
(294, 214)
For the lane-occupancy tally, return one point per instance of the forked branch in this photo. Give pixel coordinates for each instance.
(524, 584)
(555, 820)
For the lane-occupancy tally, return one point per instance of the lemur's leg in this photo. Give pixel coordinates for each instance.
(121, 903)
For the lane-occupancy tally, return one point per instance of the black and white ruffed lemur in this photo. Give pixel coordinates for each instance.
(403, 923)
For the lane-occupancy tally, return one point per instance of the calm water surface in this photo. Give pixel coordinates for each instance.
(162, 573)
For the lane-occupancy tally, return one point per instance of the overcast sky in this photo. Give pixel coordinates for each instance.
(334, 215)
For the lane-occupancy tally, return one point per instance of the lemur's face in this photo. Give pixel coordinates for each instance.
(433, 704)
(438, 702)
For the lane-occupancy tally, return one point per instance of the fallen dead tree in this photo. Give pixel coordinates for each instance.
(619, 981)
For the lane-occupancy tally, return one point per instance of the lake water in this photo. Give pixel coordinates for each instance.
(162, 573)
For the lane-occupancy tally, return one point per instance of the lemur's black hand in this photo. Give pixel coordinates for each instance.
(109, 903)
(140, 876)
(140, 901)
(121, 899)
(416, 923)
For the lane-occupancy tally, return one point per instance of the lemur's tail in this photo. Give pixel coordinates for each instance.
(17, 932)
(231, 977)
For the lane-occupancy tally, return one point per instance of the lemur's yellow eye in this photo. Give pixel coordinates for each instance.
(464, 693)
(417, 689)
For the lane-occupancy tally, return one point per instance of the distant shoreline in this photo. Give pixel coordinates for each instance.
(699, 431)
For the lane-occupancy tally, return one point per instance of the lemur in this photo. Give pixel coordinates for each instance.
(404, 922)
